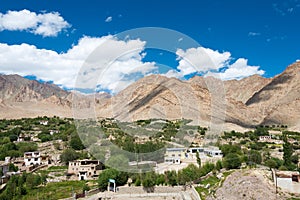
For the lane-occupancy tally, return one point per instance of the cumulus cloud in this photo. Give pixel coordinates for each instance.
(106, 63)
(209, 62)
(108, 19)
(45, 24)
(63, 68)
(198, 60)
(238, 70)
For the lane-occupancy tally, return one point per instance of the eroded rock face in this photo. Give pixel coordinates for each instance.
(248, 102)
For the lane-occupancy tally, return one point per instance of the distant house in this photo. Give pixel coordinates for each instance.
(288, 180)
(32, 158)
(213, 152)
(45, 159)
(265, 138)
(21, 138)
(53, 132)
(85, 169)
(175, 155)
(179, 155)
(45, 123)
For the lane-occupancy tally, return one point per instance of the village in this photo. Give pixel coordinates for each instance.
(51, 149)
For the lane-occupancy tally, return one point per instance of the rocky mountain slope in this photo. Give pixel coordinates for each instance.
(248, 102)
(280, 99)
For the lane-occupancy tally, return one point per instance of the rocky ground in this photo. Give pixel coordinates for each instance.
(248, 184)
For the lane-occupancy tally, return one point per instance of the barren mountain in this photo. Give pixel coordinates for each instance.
(20, 97)
(280, 99)
(15, 88)
(248, 102)
(242, 90)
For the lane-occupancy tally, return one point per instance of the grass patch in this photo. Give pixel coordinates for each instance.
(202, 190)
(214, 183)
(53, 169)
(210, 180)
(53, 191)
(58, 168)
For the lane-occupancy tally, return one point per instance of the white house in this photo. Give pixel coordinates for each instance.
(265, 138)
(45, 123)
(32, 158)
(179, 155)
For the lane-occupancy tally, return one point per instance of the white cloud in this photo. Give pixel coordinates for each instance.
(212, 63)
(108, 19)
(113, 64)
(253, 34)
(63, 68)
(200, 60)
(238, 70)
(45, 24)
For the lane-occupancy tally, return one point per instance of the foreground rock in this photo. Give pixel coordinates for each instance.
(248, 184)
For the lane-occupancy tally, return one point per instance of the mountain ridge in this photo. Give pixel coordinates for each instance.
(251, 101)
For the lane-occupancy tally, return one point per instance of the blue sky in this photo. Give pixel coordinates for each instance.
(266, 33)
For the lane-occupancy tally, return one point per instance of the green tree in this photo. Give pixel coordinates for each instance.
(227, 148)
(271, 163)
(12, 167)
(86, 188)
(5, 140)
(149, 182)
(138, 182)
(76, 143)
(160, 179)
(68, 155)
(287, 151)
(219, 165)
(188, 174)
(171, 177)
(120, 178)
(30, 181)
(254, 157)
(198, 159)
(295, 159)
(232, 161)
(105, 176)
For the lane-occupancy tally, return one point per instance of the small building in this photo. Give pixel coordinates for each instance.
(45, 159)
(288, 180)
(45, 123)
(4, 167)
(52, 132)
(175, 155)
(188, 155)
(7, 159)
(21, 138)
(85, 169)
(32, 158)
(213, 152)
(265, 138)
